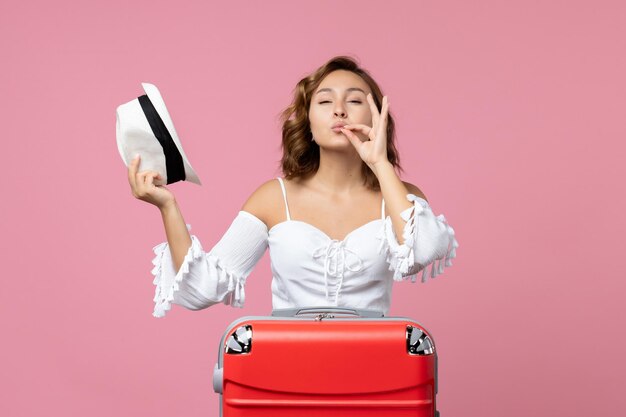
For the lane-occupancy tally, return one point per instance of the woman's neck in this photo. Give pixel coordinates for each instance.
(339, 172)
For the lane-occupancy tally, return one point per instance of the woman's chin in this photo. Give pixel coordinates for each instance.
(335, 139)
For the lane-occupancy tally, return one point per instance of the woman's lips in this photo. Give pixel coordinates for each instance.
(338, 126)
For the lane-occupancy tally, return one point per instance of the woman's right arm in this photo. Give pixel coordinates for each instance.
(178, 237)
(184, 273)
(143, 188)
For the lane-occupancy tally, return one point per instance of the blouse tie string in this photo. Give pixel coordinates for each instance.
(335, 265)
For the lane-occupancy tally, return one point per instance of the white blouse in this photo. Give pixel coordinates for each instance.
(308, 267)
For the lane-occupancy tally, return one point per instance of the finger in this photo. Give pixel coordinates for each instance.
(158, 177)
(373, 109)
(149, 177)
(360, 127)
(147, 185)
(384, 112)
(142, 185)
(354, 140)
(132, 170)
(364, 130)
(143, 174)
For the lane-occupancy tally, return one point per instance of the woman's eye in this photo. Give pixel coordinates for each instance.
(351, 101)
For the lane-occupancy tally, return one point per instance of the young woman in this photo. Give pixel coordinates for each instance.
(340, 226)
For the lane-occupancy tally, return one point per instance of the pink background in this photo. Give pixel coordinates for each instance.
(510, 118)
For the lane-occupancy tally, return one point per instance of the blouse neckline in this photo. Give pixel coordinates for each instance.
(320, 231)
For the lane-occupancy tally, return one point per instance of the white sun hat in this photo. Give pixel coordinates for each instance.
(145, 127)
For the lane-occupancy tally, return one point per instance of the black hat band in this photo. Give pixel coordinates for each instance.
(173, 159)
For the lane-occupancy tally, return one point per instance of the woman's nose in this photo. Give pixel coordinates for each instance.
(340, 110)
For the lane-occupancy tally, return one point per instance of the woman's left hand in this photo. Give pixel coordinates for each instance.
(371, 142)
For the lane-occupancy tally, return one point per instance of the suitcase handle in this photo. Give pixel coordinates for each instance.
(293, 312)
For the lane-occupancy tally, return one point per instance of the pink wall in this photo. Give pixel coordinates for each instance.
(510, 118)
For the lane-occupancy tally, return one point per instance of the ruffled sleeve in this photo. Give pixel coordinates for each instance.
(205, 279)
(428, 240)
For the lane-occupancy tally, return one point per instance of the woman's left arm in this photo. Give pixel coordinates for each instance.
(371, 144)
(395, 195)
(414, 236)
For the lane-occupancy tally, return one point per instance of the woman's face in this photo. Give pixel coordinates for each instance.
(340, 97)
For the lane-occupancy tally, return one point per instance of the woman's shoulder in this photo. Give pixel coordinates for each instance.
(413, 189)
(265, 201)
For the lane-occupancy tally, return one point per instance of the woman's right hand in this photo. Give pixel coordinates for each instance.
(143, 188)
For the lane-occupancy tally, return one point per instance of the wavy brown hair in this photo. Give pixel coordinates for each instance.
(301, 155)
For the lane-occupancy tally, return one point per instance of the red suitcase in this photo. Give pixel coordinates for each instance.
(326, 362)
